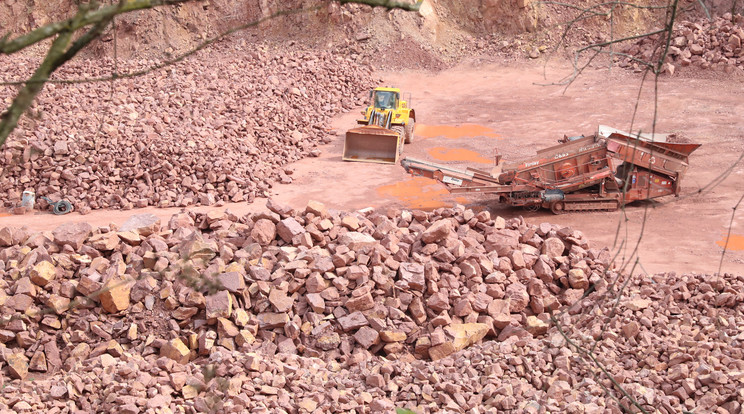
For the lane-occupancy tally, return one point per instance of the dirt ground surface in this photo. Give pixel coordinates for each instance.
(465, 113)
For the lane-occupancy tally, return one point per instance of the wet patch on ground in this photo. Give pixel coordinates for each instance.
(420, 193)
(735, 242)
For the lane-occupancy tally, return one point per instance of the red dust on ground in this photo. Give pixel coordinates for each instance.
(419, 193)
(732, 242)
(454, 131)
(458, 154)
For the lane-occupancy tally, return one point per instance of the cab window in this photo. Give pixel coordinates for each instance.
(384, 99)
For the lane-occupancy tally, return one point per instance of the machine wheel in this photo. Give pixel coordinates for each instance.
(410, 127)
(401, 133)
(532, 207)
(558, 207)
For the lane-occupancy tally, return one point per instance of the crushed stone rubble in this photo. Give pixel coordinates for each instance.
(707, 44)
(220, 126)
(318, 311)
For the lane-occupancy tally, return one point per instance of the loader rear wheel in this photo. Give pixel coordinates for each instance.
(410, 127)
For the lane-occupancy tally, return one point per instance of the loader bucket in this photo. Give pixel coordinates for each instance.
(372, 143)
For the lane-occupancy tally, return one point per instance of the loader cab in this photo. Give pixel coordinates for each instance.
(384, 99)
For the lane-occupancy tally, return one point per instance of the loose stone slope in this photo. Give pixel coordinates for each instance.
(706, 44)
(219, 126)
(326, 311)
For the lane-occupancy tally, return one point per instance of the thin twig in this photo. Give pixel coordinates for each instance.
(705, 9)
(728, 234)
(598, 364)
(86, 16)
(390, 4)
(168, 62)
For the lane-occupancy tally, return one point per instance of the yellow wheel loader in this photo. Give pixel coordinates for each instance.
(388, 123)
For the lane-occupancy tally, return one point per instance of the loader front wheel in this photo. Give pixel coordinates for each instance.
(410, 127)
(401, 133)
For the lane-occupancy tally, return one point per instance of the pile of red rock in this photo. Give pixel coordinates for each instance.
(280, 285)
(705, 43)
(324, 311)
(674, 342)
(217, 127)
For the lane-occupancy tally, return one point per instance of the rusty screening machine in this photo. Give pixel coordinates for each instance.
(598, 172)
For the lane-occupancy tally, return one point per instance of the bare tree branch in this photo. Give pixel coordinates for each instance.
(22, 101)
(88, 37)
(590, 354)
(720, 178)
(390, 4)
(597, 48)
(609, 3)
(604, 9)
(728, 235)
(100, 17)
(669, 34)
(86, 16)
(705, 8)
(168, 62)
(633, 257)
(733, 9)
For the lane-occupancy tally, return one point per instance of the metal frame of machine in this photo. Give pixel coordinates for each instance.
(599, 172)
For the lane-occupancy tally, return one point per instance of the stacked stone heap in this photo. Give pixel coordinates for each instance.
(704, 43)
(208, 129)
(326, 311)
